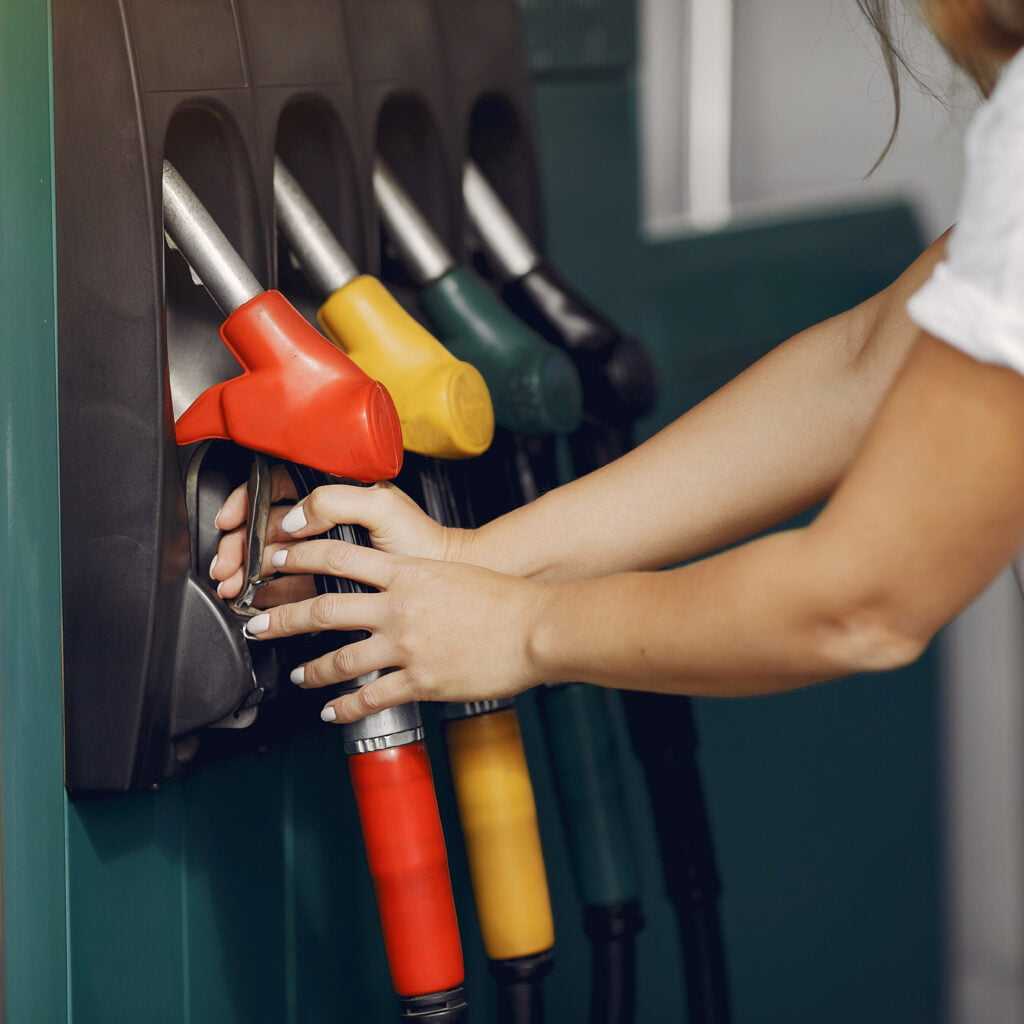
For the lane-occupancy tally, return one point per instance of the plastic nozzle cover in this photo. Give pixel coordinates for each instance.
(499, 822)
(443, 402)
(534, 386)
(409, 863)
(299, 399)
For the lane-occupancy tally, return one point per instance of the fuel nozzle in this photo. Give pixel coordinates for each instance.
(443, 402)
(534, 387)
(299, 398)
(616, 371)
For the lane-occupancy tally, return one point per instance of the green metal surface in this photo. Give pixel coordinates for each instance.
(32, 871)
(572, 36)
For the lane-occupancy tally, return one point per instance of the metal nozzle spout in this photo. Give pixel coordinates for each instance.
(225, 275)
(424, 254)
(513, 253)
(324, 261)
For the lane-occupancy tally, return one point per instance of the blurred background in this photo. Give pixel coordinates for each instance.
(870, 832)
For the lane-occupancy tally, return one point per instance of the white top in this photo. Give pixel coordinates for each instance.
(974, 299)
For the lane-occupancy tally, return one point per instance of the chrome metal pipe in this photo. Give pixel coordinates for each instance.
(424, 254)
(323, 260)
(513, 253)
(215, 261)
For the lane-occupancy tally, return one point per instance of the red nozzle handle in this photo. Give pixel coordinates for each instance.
(299, 399)
(409, 864)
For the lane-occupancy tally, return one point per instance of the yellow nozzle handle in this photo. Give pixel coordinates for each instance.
(499, 822)
(443, 402)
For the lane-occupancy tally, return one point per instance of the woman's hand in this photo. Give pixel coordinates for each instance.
(395, 522)
(450, 631)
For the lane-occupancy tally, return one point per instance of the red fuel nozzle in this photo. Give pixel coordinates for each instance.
(299, 399)
(409, 863)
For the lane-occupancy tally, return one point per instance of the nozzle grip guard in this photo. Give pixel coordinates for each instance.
(443, 402)
(299, 398)
(534, 386)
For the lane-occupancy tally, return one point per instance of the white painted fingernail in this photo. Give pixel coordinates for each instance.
(258, 624)
(328, 714)
(279, 557)
(294, 521)
(220, 589)
(216, 521)
(298, 675)
(213, 565)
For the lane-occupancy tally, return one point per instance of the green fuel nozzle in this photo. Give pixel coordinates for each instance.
(534, 386)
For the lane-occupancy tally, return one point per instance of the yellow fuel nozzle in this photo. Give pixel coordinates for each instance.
(443, 402)
(499, 822)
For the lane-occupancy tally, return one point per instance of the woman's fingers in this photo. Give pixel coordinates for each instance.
(337, 503)
(229, 557)
(337, 558)
(348, 662)
(235, 510)
(388, 691)
(230, 588)
(326, 612)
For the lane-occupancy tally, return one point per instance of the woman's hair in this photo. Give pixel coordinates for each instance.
(978, 34)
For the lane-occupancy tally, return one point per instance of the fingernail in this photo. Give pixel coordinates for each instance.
(295, 520)
(279, 557)
(213, 565)
(258, 624)
(298, 675)
(220, 589)
(328, 714)
(216, 520)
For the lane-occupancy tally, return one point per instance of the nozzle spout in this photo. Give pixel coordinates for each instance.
(325, 262)
(513, 253)
(424, 254)
(225, 275)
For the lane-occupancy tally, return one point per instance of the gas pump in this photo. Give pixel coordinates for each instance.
(618, 388)
(302, 400)
(446, 413)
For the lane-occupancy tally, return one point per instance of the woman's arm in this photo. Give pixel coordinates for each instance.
(767, 445)
(931, 510)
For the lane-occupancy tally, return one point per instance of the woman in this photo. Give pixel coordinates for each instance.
(906, 413)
